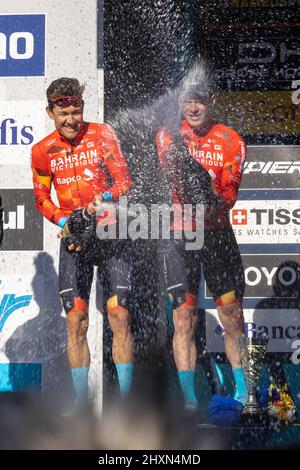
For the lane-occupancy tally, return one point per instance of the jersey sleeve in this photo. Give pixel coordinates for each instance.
(42, 182)
(115, 164)
(228, 185)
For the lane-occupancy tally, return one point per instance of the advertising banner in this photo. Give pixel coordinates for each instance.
(37, 47)
(281, 326)
(22, 123)
(22, 45)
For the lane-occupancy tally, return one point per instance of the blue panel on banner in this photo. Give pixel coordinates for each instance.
(20, 376)
(22, 45)
(277, 249)
(268, 194)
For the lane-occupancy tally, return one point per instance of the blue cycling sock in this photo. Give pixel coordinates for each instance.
(80, 381)
(124, 372)
(241, 393)
(187, 378)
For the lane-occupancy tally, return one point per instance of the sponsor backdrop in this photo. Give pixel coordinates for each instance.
(36, 47)
(266, 221)
(255, 47)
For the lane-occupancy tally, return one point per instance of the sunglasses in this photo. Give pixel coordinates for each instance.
(65, 101)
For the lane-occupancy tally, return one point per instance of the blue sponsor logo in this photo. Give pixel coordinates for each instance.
(253, 330)
(12, 133)
(9, 304)
(22, 45)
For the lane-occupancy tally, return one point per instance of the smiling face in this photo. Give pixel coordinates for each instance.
(197, 112)
(67, 120)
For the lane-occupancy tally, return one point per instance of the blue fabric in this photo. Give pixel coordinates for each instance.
(107, 196)
(225, 411)
(187, 379)
(61, 222)
(124, 372)
(241, 392)
(80, 381)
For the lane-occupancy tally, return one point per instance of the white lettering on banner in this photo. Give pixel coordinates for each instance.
(29, 45)
(250, 50)
(270, 167)
(3, 46)
(282, 327)
(270, 221)
(258, 275)
(13, 48)
(16, 220)
(250, 72)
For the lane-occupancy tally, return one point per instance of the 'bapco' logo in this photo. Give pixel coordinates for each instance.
(22, 45)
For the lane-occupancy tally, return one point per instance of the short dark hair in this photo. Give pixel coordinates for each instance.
(63, 86)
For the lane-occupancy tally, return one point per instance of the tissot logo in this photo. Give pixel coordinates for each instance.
(266, 216)
(239, 216)
(266, 221)
(23, 223)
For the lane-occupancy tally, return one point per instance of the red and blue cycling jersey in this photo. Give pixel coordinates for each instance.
(92, 164)
(222, 152)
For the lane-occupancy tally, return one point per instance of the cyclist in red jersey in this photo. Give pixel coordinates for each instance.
(77, 159)
(216, 154)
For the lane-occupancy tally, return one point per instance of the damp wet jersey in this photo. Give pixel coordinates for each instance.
(78, 171)
(222, 153)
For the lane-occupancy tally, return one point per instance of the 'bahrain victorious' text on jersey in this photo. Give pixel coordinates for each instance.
(78, 171)
(222, 153)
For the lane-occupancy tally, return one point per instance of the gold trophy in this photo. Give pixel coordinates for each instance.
(252, 353)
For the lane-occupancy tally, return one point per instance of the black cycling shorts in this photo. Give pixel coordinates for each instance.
(222, 263)
(221, 260)
(112, 259)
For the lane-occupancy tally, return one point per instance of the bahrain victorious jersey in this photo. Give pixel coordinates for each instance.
(222, 152)
(78, 171)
